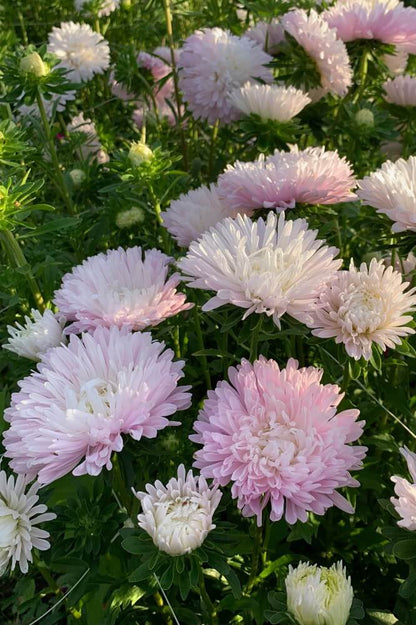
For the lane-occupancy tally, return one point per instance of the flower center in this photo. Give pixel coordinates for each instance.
(362, 310)
(95, 397)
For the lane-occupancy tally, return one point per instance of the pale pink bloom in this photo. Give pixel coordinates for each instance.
(159, 65)
(310, 176)
(391, 149)
(178, 516)
(80, 50)
(195, 212)
(213, 63)
(365, 306)
(91, 146)
(321, 43)
(20, 513)
(405, 266)
(119, 90)
(405, 504)
(388, 21)
(392, 191)
(106, 6)
(268, 35)
(70, 414)
(401, 91)
(276, 436)
(273, 267)
(275, 102)
(123, 288)
(396, 62)
(39, 333)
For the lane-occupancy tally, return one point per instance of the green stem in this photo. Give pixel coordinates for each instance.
(255, 560)
(23, 28)
(169, 30)
(97, 25)
(362, 73)
(346, 378)
(202, 348)
(17, 258)
(213, 619)
(158, 213)
(255, 339)
(211, 147)
(60, 182)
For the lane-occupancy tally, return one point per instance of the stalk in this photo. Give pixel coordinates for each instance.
(362, 73)
(213, 618)
(202, 347)
(255, 339)
(17, 258)
(255, 560)
(212, 146)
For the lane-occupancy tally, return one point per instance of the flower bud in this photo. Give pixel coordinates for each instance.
(33, 64)
(319, 594)
(128, 218)
(139, 152)
(77, 176)
(365, 117)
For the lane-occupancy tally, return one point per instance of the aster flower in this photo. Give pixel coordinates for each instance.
(319, 594)
(396, 62)
(365, 306)
(401, 91)
(311, 176)
(119, 90)
(57, 103)
(92, 146)
(81, 50)
(123, 288)
(273, 267)
(321, 43)
(106, 6)
(70, 414)
(178, 516)
(37, 335)
(270, 101)
(392, 191)
(19, 516)
(388, 21)
(275, 434)
(212, 64)
(130, 217)
(195, 212)
(268, 35)
(405, 503)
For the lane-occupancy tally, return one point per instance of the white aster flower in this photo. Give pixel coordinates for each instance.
(19, 515)
(392, 191)
(405, 504)
(401, 91)
(106, 6)
(319, 595)
(270, 101)
(194, 212)
(178, 516)
(267, 34)
(57, 103)
(364, 306)
(92, 145)
(81, 50)
(273, 267)
(37, 335)
(396, 62)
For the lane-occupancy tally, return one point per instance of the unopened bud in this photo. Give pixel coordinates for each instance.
(128, 218)
(77, 176)
(33, 64)
(139, 152)
(365, 117)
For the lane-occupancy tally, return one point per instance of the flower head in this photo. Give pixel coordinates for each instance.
(319, 594)
(270, 101)
(70, 414)
(19, 516)
(268, 35)
(178, 516)
(91, 147)
(106, 6)
(392, 191)
(37, 335)
(130, 217)
(397, 62)
(212, 64)
(123, 288)
(276, 435)
(273, 267)
(139, 152)
(311, 176)
(401, 91)
(364, 306)
(405, 504)
(195, 212)
(81, 50)
(33, 64)
(388, 21)
(321, 43)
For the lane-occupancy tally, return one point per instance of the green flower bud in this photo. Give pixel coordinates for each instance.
(139, 152)
(33, 64)
(365, 117)
(77, 176)
(128, 218)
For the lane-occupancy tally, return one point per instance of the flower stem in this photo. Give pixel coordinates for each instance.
(211, 148)
(23, 27)
(213, 619)
(255, 559)
(168, 18)
(17, 258)
(158, 213)
(202, 347)
(362, 73)
(60, 182)
(255, 339)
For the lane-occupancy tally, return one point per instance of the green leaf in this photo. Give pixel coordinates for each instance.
(132, 545)
(405, 549)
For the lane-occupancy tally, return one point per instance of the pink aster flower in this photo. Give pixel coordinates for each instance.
(405, 504)
(365, 306)
(273, 267)
(401, 91)
(274, 102)
(396, 62)
(321, 43)
(311, 176)
(388, 21)
(213, 63)
(159, 65)
(70, 414)
(276, 435)
(178, 516)
(195, 212)
(123, 288)
(91, 147)
(392, 191)
(268, 35)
